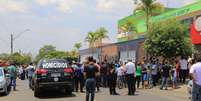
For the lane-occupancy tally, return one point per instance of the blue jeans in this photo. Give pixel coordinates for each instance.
(90, 88)
(13, 83)
(30, 81)
(164, 82)
(196, 92)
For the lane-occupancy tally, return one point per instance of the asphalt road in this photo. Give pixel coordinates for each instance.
(25, 94)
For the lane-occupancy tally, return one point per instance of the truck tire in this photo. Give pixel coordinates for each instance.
(69, 92)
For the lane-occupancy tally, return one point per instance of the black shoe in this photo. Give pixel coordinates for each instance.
(115, 94)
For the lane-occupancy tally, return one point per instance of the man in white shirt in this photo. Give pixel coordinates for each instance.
(195, 73)
(183, 69)
(130, 75)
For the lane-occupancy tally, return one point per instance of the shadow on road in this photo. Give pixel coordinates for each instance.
(54, 94)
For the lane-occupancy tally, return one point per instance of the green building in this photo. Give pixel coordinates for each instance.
(186, 15)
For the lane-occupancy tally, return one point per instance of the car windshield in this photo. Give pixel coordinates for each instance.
(1, 72)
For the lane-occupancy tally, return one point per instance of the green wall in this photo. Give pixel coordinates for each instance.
(139, 22)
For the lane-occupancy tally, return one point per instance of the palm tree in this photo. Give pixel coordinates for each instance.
(129, 28)
(91, 39)
(101, 34)
(150, 7)
(78, 45)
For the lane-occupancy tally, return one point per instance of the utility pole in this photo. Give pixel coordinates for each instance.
(12, 38)
(11, 44)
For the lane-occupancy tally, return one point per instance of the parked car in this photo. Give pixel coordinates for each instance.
(52, 74)
(5, 82)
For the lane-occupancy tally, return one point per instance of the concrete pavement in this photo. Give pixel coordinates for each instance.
(23, 93)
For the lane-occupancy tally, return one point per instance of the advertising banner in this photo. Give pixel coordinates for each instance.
(196, 31)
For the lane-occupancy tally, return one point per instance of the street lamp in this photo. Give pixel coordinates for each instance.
(14, 38)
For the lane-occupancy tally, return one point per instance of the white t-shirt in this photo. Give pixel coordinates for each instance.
(196, 71)
(120, 71)
(130, 68)
(154, 69)
(183, 64)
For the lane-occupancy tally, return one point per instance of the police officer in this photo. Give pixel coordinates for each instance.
(112, 78)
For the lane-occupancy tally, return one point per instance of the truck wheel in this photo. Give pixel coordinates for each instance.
(36, 91)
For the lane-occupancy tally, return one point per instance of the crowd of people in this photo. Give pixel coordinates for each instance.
(144, 74)
(141, 74)
(22, 72)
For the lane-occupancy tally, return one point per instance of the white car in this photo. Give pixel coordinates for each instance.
(5, 82)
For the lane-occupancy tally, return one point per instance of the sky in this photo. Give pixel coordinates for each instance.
(61, 23)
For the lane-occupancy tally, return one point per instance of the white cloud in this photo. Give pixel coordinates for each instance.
(176, 3)
(62, 5)
(43, 2)
(13, 5)
(112, 6)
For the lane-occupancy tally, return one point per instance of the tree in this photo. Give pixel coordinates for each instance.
(150, 7)
(55, 55)
(17, 58)
(168, 39)
(130, 29)
(44, 51)
(91, 39)
(101, 34)
(78, 45)
(50, 52)
(197, 51)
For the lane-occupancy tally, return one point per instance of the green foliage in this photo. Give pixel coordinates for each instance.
(78, 45)
(17, 58)
(101, 33)
(50, 52)
(168, 39)
(150, 7)
(129, 27)
(45, 50)
(95, 38)
(91, 39)
(197, 51)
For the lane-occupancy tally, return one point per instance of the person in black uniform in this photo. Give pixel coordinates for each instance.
(112, 77)
(79, 78)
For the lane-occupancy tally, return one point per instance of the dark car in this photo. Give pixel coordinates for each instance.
(52, 74)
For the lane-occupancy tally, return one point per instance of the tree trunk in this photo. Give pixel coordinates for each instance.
(147, 19)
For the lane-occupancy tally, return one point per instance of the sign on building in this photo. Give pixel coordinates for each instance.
(196, 31)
